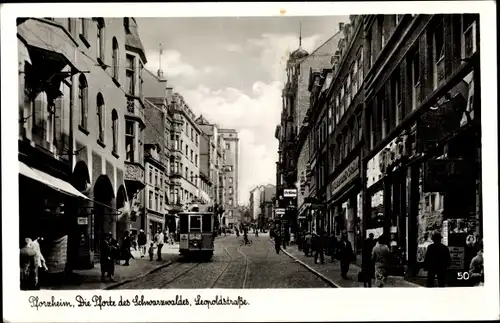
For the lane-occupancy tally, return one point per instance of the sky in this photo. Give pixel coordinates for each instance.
(232, 70)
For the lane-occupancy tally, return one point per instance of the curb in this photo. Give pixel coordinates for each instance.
(123, 282)
(314, 271)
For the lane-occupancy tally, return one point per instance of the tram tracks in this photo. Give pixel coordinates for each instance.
(231, 262)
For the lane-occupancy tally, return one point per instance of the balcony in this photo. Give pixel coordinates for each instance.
(175, 174)
(134, 175)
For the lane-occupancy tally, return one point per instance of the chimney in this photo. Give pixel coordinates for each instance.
(341, 26)
(160, 73)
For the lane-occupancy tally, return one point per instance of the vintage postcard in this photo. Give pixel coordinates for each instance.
(249, 162)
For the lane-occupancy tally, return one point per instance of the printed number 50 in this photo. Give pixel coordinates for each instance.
(463, 275)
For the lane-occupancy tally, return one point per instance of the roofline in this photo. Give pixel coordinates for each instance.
(317, 48)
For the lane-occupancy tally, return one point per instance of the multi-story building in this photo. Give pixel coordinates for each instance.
(185, 152)
(77, 85)
(422, 162)
(255, 202)
(154, 191)
(206, 167)
(267, 198)
(292, 152)
(335, 136)
(231, 172)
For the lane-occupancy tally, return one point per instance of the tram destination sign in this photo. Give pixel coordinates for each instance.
(290, 192)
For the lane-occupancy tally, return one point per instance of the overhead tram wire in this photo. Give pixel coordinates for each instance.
(139, 108)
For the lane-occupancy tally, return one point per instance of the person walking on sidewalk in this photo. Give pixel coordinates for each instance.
(346, 255)
(367, 268)
(151, 251)
(159, 243)
(308, 243)
(107, 263)
(318, 247)
(437, 260)
(142, 240)
(126, 245)
(333, 246)
(381, 256)
(277, 242)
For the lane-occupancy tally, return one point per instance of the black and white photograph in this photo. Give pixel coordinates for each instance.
(242, 153)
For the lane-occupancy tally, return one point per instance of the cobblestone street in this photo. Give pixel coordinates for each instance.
(254, 266)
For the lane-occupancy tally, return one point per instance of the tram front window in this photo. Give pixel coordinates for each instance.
(196, 223)
(207, 223)
(183, 224)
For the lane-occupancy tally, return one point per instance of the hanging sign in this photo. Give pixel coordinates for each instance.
(83, 220)
(290, 192)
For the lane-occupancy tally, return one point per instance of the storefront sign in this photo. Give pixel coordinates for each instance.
(457, 257)
(290, 192)
(441, 174)
(82, 220)
(389, 156)
(348, 174)
(279, 211)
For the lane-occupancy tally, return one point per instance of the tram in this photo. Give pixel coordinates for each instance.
(196, 230)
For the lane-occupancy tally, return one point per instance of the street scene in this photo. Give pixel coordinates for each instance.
(246, 153)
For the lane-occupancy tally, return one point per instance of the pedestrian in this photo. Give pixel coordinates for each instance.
(381, 256)
(126, 245)
(151, 251)
(159, 243)
(333, 244)
(318, 247)
(142, 241)
(476, 270)
(277, 242)
(367, 266)
(308, 244)
(39, 259)
(28, 268)
(107, 264)
(437, 260)
(346, 255)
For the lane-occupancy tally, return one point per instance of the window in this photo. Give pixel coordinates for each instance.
(197, 138)
(192, 134)
(345, 134)
(191, 155)
(360, 125)
(230, 180)
(130, 73)
(156, 177)
(230, 190)
(186, 172)
(114, 120)
(415, 78)
(101, 38)
(187, 150)
(396, 105)
(383, 36)
(195, 223)
(126, 25)
(355, 78)
(83, 28)
(340, 147)
(228, 146)
(330, 117)
(337, 109)
(157, 202)
(348, 91)
(130, 140)
(116, 61)
(83, 100)
(141, 81)
(150, 200)
(192, 177)
(100, 117)
(438, 74)
(161, 203)
(230, 202)
(353, 132)
(196, 159)
(150, 175)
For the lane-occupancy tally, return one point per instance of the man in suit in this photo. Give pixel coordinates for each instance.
(346, 254)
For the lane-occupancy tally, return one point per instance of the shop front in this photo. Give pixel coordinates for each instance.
(428, 179)
(156, 222)
(343, 193)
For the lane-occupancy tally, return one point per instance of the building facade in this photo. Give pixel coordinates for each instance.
(267, 198)
(185, 152)
(154, 208)
(422, 159)
(255, 202)
(231, 174)
(75, 87)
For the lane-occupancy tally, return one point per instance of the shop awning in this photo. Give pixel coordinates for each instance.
(49, 180)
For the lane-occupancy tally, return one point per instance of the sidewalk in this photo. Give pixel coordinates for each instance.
(91, 278)
(330, 271)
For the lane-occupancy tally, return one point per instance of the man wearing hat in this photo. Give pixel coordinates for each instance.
(142, 241)
(437, 260)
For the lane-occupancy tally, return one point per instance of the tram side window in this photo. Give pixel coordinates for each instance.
(195, 223)
(207, 223)
(183, 224)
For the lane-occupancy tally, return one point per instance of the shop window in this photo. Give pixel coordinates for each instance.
(114, 120)
(375, 222)
(116, 60)
(130, 74)
(438, 72)
(130, 141)
(100, 117)
(83, 93)
(101, 40)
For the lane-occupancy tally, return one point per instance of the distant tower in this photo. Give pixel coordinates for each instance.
(160, 71)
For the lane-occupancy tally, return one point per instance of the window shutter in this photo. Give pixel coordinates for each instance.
(58, 136)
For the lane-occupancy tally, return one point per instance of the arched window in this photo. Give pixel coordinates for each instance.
(100, 117)
(114, 118)
(126, 25)
(100, 39)
(115, 59)
(83, 100)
